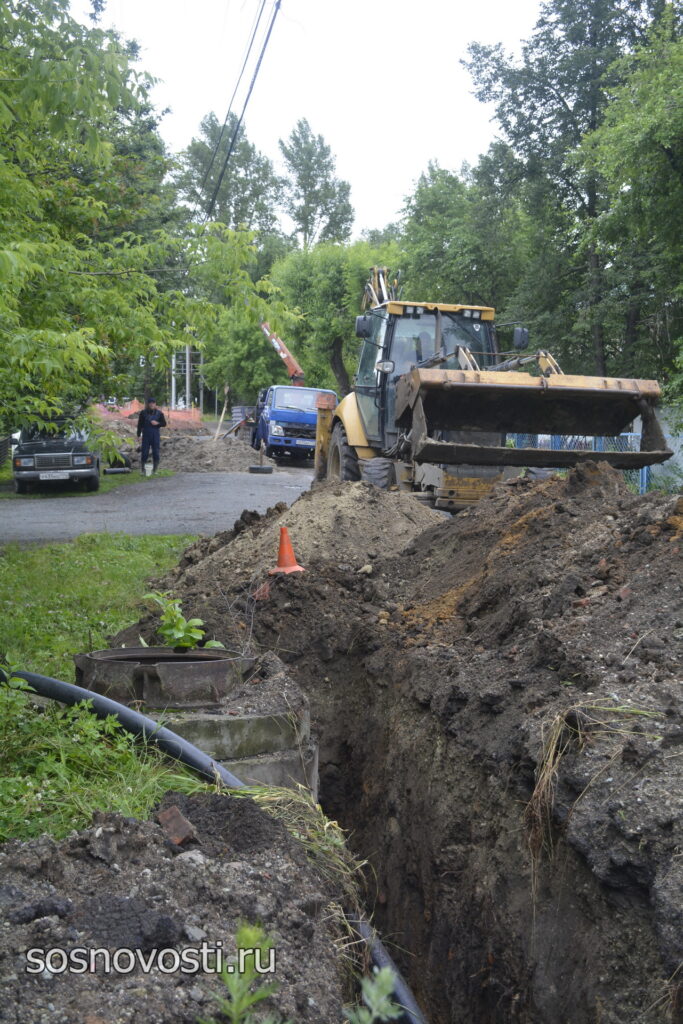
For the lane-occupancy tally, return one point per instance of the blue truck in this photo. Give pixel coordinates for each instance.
(286, 418)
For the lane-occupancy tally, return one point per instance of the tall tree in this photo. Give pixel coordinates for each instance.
(638, 151)
(547, 103)
(318, 202)
(94, 273)
(326, 283)
(466, 235)
(246, 189)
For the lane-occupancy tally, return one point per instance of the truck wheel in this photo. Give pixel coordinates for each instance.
(378, 471)
(20, 486)
(342, 461)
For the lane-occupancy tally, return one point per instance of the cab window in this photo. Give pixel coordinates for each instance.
(371, 353)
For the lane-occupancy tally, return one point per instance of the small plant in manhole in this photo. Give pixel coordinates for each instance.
(174, 628)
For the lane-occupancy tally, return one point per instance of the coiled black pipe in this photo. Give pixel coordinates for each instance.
(177, 747)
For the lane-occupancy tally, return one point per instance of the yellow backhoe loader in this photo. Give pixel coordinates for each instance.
(435, 403)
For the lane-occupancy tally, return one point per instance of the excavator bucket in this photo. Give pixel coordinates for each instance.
(434, 404)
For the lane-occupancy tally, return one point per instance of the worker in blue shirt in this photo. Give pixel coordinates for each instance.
(150, 421)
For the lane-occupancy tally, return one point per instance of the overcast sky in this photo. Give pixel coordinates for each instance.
(380, 81)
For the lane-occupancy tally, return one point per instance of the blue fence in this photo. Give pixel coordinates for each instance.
(638, 478)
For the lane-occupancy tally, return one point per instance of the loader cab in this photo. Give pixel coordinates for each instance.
(399, 336)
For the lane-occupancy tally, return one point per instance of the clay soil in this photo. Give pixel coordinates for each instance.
(498, 702)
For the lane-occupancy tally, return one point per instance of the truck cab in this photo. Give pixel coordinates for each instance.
(286, 423)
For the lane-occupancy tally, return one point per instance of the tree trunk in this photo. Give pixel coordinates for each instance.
(338, 368)
(597, 329)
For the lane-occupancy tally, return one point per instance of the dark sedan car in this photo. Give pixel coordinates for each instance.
(43, 456)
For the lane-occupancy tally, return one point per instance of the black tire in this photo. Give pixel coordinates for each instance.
(380, 472)
(342, 461)
(92, 483)
(20, 486)
(260, 469)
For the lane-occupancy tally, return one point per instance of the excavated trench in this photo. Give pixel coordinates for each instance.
(500, 723)
(480, 936)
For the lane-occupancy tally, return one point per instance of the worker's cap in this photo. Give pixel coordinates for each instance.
(151, 401)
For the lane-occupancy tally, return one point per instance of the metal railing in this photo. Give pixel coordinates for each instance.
(639, 479)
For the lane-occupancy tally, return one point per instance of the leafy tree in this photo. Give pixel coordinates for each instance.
(60, 86)
(466, 235)
(638, 151)
(247, 191)
(95, 272)
(326, 283)
(317, 201)
(545, 105)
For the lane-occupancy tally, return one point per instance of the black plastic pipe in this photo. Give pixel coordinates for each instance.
(177, 747)
(134, 722)
(380, 958)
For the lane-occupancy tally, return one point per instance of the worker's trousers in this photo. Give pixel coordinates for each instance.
(150, 439)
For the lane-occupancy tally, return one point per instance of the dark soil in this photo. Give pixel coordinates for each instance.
(227, 825)
(501, 721)
(123, 884)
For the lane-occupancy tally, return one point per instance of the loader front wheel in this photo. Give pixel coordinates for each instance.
(342, 461)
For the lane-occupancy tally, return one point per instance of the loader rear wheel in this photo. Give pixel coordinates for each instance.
(342, 461)
(378, 471)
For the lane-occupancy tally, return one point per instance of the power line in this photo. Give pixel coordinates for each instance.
(238, 126)
(252, 39)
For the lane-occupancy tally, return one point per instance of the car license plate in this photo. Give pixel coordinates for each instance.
(305, 441)
(56, 475)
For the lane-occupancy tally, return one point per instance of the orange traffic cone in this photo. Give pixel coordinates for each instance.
(286, 560)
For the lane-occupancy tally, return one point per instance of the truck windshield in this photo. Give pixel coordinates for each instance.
(301, 399)
(414, 340)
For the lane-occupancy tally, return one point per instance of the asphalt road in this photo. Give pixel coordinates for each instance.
(200, 503)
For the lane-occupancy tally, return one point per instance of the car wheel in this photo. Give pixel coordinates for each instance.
(20, 486)
(92, 483)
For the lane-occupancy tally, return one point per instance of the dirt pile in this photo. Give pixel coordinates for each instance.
(351, 525)
(123, 885)
(501, 722)
(184, 453)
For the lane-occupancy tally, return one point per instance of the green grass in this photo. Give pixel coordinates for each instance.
(58, 764)
(57, 600)
(107, 483)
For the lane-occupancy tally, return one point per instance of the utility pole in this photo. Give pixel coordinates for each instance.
(173, 385)
(201, 384)
(188, 378)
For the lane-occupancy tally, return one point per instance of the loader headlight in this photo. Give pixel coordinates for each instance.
(276, 430)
